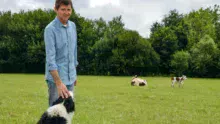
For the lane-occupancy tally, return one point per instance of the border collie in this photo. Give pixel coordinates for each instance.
(178, 80)
(61, 112)
(138, 81)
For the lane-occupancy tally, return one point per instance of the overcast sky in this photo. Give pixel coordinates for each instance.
(137, 15)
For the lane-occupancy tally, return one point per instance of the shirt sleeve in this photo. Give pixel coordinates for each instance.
(49, 40)
(75, 52)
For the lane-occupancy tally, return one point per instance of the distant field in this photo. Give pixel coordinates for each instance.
(111, 100)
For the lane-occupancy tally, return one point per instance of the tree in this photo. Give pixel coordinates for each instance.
(102, 51)
(105, 46)
(135, 55)
(180, 62)
(200, 23)
(202, 55)
(165, 43)
(176, 22)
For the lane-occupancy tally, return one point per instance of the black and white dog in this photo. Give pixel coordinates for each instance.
(138, 81)
(61, 112)
(178, 80)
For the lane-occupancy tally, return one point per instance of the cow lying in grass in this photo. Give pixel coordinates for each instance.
(178, 80)
(138, 81)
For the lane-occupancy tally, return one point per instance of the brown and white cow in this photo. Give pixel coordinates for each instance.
(138, 81)
(178, 80)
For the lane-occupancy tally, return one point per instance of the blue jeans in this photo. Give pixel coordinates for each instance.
(53, 93)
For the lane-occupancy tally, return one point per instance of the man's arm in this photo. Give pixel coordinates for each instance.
(75, 52)
(61, 88)
(52, 66)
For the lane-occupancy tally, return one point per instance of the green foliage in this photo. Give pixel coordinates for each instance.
(104, 48)
(134, 54)
(86, 39)
(200, 23)
(165, 43)
(185, 31)
(4, 53)
(173, 19)
(100, 27)
(202, 55)
(176, 22)
(36, 52)
(180, 62)
(19, 34)
(102, 51)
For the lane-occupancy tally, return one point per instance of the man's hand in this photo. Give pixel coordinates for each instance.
(62, 90)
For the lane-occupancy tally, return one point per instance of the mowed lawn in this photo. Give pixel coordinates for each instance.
(112, 100)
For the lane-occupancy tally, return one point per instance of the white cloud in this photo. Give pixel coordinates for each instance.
(95, 3)
(17, 5)
(29, 4)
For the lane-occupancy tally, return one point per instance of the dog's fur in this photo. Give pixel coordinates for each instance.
(138, 81)
(61, 112)
(178, 80)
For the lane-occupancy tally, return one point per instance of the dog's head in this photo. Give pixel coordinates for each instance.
(71, 94)
(184, 77)
(132, 83)
(67, 102)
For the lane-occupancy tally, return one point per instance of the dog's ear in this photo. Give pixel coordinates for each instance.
(58, 101)
(69, 104)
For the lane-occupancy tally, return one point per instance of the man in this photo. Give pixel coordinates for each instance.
(61, 52)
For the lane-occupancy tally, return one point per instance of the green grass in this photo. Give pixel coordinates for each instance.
(111, 100)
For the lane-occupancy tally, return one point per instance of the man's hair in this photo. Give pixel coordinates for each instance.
(65, 2)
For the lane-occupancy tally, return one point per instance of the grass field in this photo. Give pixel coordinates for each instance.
(111, 100)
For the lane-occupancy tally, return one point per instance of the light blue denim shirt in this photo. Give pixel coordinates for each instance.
(61, 51)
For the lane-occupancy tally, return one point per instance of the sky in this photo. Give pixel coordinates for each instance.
(137, 15)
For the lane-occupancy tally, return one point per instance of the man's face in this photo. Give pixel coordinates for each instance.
(63, 13)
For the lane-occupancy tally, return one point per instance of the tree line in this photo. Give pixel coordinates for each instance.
(180, 44)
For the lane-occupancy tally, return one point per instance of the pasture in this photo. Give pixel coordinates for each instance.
(111, 100)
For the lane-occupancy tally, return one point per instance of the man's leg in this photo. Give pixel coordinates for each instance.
(52, 91)
(70, 87)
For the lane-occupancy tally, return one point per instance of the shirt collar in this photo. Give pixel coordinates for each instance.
(61, 24)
